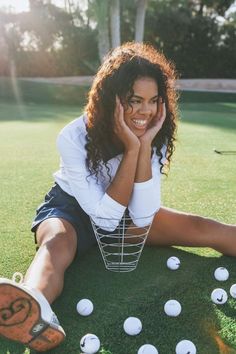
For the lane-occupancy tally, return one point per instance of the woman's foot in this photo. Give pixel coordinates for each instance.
(27, 317)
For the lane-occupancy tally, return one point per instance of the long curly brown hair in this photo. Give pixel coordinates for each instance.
(116, 76)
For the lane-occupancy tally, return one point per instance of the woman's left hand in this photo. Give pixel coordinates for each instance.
(155, 125)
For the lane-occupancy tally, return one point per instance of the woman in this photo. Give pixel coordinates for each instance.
(112, 158)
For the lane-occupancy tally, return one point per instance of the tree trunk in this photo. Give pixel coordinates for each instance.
(101, 9)
(115, 23)
(140, 20)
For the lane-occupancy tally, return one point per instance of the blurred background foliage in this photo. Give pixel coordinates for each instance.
(199, 36)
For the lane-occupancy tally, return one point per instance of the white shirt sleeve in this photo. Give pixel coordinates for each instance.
(91, 195)
(146, 197)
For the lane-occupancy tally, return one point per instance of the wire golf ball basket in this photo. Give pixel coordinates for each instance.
(121, 242)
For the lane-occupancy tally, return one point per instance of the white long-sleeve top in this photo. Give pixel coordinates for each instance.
(74, 178)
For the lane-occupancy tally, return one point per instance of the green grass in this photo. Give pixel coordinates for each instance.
(199, 181)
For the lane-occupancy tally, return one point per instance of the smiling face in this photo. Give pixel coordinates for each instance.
(142, 105)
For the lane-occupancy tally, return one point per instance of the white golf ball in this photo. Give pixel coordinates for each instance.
(147, 349)
(221, 274)
(84, 307)
(219, 296)
(172, 308)
(233, 291)
(185, 347)
(90, 344)
(173, 263)
(132, 326)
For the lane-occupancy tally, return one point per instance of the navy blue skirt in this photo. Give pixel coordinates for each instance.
(59, 204)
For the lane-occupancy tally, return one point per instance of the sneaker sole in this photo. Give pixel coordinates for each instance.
(20, 320)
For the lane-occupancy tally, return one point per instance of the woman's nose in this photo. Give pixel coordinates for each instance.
(145, 109)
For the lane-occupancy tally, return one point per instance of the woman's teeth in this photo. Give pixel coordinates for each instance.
(140, 122)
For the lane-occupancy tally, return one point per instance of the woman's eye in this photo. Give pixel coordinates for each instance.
(134, 101)
(139, 102)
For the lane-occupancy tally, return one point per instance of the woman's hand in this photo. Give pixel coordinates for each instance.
(121, 129)
(155, 125)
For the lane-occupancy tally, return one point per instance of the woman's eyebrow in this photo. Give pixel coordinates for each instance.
(137, 96)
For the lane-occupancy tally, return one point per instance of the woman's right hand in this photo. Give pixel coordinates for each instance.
(121, 129)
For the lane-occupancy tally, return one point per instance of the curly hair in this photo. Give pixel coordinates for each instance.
(116, 76)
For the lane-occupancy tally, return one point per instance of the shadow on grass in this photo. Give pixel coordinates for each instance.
(35, 113)
(36, 102)
(21, 91)
(209, 108)
(206, 97)
(143, 293)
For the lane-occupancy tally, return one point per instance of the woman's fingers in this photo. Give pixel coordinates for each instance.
(160, 116)
(121, 113)
(161, 108)
(117, 107)
(163, 113)
(118, 115)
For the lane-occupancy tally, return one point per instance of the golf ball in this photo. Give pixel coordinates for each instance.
(221, 274)
(233, 291)
(132, 326)
(219, 296)
(84, 307)
(90, 344)
(147, 349)
(185, 347)
(172, 308)
(173, 263)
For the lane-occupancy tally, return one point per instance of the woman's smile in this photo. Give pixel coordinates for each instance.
(140, 123)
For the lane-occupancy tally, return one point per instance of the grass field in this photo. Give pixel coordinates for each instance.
(199, 181)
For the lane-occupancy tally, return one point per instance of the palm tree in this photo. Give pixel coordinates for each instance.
(100, 8)
(115, 22)
(140, 20)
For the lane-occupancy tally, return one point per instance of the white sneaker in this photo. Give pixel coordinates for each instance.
(26, 316)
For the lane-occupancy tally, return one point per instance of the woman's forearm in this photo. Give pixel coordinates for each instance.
(145, 199)
(122, 185)
(144, 169)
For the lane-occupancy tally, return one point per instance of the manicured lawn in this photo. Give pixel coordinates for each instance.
(199, 181)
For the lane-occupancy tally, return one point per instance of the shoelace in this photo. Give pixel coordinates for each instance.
(17, 277)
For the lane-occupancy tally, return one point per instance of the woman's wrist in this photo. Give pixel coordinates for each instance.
(145, 147)
(133, 149)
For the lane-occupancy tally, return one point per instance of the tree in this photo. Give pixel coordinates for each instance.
(140, 20)
(102, 16)
(195, 41)
(115, 22)
(49, 41)
(212, 7)
(100, 12)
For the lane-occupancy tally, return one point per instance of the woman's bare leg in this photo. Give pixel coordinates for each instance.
(174, 228)
(58, 242)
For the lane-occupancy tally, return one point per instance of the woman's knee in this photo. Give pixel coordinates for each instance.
(59, 237)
